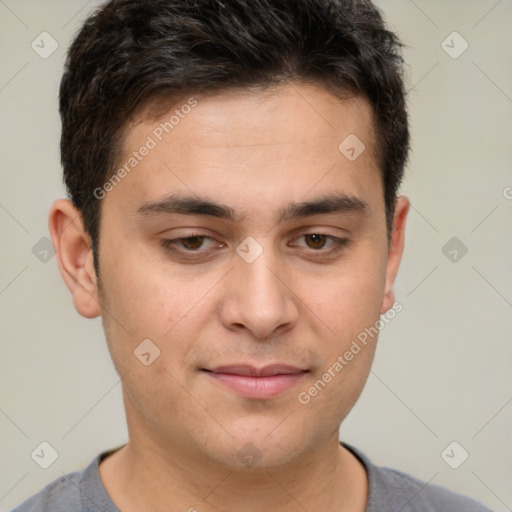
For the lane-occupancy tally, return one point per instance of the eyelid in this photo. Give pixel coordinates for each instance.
(338, 243)
(166, 242)
(171, 244)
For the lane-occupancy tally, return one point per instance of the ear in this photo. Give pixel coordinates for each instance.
(395, 251)
(74, 255)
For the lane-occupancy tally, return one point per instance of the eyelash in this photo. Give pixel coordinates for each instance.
(170, 245)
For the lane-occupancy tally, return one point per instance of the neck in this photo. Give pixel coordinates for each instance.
(144, 475)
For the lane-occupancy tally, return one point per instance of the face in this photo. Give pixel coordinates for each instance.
(251, 252)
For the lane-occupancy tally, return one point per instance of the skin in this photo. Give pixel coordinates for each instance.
(295, 304)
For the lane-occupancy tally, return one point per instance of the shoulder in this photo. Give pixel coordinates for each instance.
(60, 495)
(391, 489)
(411, 494)
(81, 491)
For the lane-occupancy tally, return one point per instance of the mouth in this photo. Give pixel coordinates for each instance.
(258, 383)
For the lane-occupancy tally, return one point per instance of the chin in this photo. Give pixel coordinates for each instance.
(261, 447)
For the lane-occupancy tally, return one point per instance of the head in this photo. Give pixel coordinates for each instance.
(271, 139)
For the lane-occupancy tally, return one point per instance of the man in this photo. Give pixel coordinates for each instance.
(233, 168)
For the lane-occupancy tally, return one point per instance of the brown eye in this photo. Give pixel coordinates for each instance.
(321, 244)
(189, 246)
(317, 240)
(192, 243)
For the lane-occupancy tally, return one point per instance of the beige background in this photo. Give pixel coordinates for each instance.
(442, 370)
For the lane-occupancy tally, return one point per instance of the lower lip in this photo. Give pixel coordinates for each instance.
(257, 387)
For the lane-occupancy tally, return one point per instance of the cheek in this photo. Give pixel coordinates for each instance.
(169, 308)
(348, 309)
(149, 300)
(330, 396)
(349, 299)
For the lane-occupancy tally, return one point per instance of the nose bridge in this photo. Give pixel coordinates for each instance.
(259, 300)
(259, 283)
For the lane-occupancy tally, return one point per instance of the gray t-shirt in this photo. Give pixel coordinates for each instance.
(389, 491)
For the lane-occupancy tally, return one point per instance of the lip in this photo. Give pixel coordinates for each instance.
(260, 383)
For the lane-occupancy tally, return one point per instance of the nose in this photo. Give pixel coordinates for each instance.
(259, 296)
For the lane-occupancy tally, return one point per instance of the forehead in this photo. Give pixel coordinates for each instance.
(252, 146)
(252, 115)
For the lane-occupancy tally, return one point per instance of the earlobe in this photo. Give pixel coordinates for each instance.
(74, 256)
(396, 249)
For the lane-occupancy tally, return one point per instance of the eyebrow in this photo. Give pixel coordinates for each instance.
(334, 203)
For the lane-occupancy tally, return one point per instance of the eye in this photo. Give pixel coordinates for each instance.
(193, 246)
(189, 245)
(318, 241)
